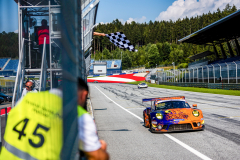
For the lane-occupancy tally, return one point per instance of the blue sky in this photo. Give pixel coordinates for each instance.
(129, 10)
(145, 10)
(110, 10)
(8, 16)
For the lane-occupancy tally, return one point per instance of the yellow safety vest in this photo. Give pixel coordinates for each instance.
(34, 128)
(81, 111)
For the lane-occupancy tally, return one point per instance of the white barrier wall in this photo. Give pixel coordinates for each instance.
(99, 69)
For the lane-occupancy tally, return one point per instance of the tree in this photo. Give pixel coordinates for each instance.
(9, 44)
(126, 61)
(157, 42)
(153, 55)
(176, 55)
(106, 54)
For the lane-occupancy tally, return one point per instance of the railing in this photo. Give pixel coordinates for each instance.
(43, 75)
(224, 86)
(19, 77)
(214, 73)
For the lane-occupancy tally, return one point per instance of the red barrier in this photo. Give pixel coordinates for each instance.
(118, 79)
(3, 110)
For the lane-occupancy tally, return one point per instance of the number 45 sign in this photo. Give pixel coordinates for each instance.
(21, 132)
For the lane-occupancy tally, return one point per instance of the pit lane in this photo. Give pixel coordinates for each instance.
(127, 138)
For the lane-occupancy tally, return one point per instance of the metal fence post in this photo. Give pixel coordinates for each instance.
(179, 73)
(197, 75)
(193, 75)
(6, 115)
(236, 72)
(220, 70)
(227, 71)
(165, 76)
(174, 70)
(213, 73)
(202, 75)
(185, 75)
(208, 73)
(189, 73)
(182, 76)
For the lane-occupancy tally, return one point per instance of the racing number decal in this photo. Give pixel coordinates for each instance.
(21, 133)
(40, 143)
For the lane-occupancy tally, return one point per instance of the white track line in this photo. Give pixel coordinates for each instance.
(200, 155)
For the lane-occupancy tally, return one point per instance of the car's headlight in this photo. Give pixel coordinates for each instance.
(195, 113)
(159, 116)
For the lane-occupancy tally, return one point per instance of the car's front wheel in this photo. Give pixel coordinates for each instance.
(151, 129)
(150, 125)
(144, 120)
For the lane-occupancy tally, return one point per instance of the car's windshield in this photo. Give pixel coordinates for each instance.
(172, 105)
(143, 83)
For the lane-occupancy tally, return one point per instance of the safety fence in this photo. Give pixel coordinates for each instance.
(224, 86)
(213, 73)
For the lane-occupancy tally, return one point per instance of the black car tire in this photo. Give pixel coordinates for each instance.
(203, 128)
(144, 121)
(150, 127)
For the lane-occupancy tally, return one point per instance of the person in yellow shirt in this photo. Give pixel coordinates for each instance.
(34, 128)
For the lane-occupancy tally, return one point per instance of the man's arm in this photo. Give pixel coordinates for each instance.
(89, 143)
(98, 34)
(100, 154)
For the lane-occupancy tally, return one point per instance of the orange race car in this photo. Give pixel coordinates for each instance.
(168, 114)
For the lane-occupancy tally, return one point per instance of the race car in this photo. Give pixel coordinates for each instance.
(1, 100)
(169, 114)
(142, 85)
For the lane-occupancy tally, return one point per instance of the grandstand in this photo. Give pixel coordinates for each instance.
(113, 66)
(226, 65)
(12, 65)
(3, 62)
(8, 66)
(232, 59)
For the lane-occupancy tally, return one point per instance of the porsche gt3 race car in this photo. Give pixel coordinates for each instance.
(142, 85)
(169, 114)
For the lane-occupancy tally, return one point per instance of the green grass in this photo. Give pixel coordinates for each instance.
(194, 89)
(96, 76)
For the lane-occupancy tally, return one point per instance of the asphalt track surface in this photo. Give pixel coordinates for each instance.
(118, 115)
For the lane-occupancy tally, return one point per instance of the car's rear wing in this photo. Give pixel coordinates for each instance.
(161, 98)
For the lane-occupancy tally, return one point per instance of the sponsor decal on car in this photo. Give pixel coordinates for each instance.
(154, 122)
(179, 120)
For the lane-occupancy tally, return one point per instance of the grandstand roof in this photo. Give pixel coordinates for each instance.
(222, 30)
(201, 55)
(33, 2)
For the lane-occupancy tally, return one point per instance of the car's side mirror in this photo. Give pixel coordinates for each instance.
(194, 105)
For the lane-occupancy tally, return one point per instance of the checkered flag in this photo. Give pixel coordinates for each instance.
(119, 39)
